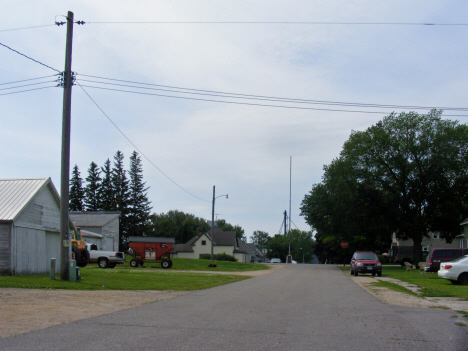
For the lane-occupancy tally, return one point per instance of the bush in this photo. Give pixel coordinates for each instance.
(219, 257)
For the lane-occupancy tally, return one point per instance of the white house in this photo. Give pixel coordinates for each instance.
(29, 226)
(226, 242)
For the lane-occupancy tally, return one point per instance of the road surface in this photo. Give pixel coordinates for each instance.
(300, 307)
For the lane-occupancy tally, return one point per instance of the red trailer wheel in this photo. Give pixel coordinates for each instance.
(166, 264)
(133, 263)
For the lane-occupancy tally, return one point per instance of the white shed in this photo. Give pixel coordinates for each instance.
(29, 226)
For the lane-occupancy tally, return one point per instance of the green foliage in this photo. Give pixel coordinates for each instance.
(76, 197)
(407, 174)
(260, 239)
(219, 257)
(178, 225)
(301, 244)
(138, 204)
(227, 227)
(93, 184)
(106, 191)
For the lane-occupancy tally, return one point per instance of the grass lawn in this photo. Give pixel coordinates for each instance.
(201, 265)
(430, 284)
(150, 277)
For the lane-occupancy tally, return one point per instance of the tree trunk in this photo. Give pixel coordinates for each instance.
(417, 248)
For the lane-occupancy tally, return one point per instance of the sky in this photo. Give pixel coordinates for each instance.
(258, 146)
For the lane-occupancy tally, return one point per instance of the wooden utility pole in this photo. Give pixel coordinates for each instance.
(65, 175)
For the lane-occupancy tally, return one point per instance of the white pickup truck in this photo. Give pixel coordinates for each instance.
(104, 259)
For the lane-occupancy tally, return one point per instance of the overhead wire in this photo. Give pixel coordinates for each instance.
(284, 22)
(237, 97)
(43, 64)
(136, 147)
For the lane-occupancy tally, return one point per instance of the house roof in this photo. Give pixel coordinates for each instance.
(221, 238)
(92, 218)
(465, 221)
(16, 194)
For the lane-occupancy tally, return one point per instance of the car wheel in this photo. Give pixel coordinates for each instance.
(133, 263)
(463, 279)
(355, 272)
(379, 274)
(373, 274)
(454, 282)
(103, 263)
(111, 265)
(351, 271)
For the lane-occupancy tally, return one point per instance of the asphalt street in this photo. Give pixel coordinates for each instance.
(300, 307)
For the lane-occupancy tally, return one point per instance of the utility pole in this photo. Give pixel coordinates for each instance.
(65, 175)
(285, 222)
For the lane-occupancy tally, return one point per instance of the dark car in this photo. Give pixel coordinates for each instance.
(365, 262)
(437, 256)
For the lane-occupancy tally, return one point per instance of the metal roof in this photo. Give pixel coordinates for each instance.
(15, 194)
(92, 218)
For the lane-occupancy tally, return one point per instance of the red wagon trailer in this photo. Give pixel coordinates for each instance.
(152, 249)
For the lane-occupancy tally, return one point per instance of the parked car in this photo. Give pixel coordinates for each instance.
(438, 256)
(275, 260)
(455, 271)
(365, 262)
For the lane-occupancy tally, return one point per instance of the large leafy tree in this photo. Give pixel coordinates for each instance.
(260, 238)
(341, 208)
(178, 225)
(76, 198)
(93, 184)
(414, 166)
(138, 205)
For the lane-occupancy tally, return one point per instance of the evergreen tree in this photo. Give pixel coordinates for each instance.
(139, 205)
(120, 185)
(92, 188)
(106, 191)
(76, 191)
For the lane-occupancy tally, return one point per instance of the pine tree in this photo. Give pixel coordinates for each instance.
(76, 197)
(139, 205)
(121, 193)
(92, 188)
(106, 191)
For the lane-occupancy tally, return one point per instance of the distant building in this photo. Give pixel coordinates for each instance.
(103, 223)
(226, 242)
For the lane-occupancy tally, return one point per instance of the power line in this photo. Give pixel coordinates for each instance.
(27, 80)
(136, 147)
(10, 30)
(248, 103)
(29, 57)
(285, 22)
(23, 91)
(263, 97)
(26, 85)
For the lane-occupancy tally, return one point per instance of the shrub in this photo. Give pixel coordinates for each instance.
(219, 257)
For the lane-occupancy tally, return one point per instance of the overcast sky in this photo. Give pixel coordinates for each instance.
(242, 148)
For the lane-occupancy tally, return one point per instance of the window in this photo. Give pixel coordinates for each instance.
(203, 242)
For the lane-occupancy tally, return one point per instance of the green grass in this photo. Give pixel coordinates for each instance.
(202, 265)
(430, 285)
(149, 277)
(93, 278)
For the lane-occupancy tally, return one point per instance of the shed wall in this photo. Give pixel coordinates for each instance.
(5, 240)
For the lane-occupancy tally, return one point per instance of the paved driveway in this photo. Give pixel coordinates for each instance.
(300, 307)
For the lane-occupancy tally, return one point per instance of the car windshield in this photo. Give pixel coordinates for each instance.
(463, 259)
(367, 256)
